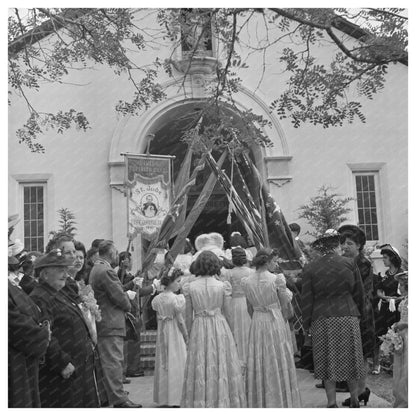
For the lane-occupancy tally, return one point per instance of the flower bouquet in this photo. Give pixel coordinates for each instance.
(392, 342)
(89, 302)
(90, 310)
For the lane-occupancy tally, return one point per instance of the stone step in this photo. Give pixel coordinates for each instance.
(147, 349)
(147, 362)
(148, 336)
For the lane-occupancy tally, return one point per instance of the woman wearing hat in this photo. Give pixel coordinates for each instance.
(400, 363)
(66, 379)
(332, 303)
(387, 299)
(353, 241)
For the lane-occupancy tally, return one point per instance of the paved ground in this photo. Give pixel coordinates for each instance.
(141, 391)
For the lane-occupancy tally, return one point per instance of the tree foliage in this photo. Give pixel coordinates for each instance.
(46, 44)
(66, 223)
(325, 211)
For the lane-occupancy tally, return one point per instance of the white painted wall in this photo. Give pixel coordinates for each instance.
(78, 161)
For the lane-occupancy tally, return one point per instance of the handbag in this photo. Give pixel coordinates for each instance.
(131, 332)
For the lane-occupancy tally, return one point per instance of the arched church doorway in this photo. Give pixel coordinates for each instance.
(168, 139)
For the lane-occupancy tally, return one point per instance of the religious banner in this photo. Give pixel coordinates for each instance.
(148, 180)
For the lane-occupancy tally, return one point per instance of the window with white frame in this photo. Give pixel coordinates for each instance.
(367, 190)
(34, 203)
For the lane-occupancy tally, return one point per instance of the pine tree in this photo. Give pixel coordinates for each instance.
(326, 210)
(66, 223)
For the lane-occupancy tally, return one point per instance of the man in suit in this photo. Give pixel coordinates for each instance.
(132, 346)
(111, 330)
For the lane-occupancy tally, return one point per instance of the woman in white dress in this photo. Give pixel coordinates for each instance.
(172, 338)
(271, 372)
(213, 373)
(240, 319)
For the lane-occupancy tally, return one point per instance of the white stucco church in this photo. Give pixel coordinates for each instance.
(84, 171)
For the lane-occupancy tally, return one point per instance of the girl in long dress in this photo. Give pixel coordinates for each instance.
(271, 372)
(400, 363)
(172, 338)
(240, 319)
(213, 373)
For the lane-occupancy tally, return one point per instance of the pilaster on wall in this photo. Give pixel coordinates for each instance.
(119, 213)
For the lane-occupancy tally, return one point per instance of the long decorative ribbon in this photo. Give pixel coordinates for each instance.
(163, 340)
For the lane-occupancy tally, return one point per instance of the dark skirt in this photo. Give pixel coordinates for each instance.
(368, 332)
(337, 348)
(384, 319)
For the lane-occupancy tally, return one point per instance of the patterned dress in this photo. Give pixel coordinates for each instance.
(213, 373)
(170, 350)
(271, 372)
(240, 318)
(400, 364)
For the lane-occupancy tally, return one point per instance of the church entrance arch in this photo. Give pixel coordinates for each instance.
(167, 121)
(167, 138)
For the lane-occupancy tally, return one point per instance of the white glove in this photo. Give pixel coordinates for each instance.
(138, 281)
(379, 304)
(289, 294)
(156, 285)
(392, 305)
(131, 294)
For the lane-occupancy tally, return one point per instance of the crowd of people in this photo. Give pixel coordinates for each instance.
(232, 326)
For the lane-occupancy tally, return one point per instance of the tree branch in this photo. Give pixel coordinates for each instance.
(40, 32)
(380, 11)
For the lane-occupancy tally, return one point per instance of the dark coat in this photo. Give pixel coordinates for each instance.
(331, 286)
(71, 290)
(111, 298)
(71, 343)
(28, 342)
(27, 283)
(367, 322)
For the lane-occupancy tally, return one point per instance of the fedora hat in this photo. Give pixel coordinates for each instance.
(52, 259)
(354, 229)
(15, 247)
